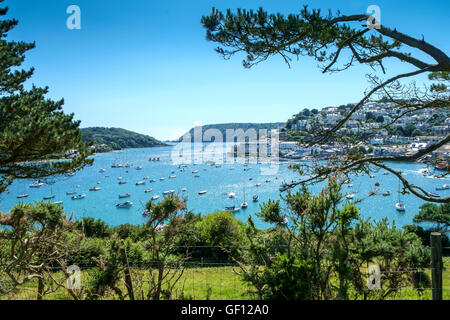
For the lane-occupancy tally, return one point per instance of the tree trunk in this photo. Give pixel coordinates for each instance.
(40, 289)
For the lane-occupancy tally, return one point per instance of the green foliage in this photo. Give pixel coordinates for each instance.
(437, 214)
(117, 138)
(222, 234)
(32, 127)
(326, 247)
(93, 228)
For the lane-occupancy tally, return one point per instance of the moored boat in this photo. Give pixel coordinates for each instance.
(79, 197)
(434, 194)
(400, 206)
(36, 185)
(202, 192)
(441, 166)
(126, 195)
(232, 209)
(21, 196)
(125, 205)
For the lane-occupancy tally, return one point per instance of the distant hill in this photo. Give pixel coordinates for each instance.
(222, 127)
(117, 138)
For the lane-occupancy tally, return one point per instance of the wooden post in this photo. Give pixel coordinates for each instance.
(436, 265)
(129, 283)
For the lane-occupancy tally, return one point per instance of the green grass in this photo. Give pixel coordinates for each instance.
(215, 283)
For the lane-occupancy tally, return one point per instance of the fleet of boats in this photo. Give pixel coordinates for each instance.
(400, 206)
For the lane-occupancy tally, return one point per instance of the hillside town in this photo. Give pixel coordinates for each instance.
(379, 132)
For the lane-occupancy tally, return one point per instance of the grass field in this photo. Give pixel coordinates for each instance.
(219, 283)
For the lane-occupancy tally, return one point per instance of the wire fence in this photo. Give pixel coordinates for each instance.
(222, 279)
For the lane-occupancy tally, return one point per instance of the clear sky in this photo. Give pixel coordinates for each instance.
(146, 66)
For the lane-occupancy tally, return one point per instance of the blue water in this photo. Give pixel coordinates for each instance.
(218, 182)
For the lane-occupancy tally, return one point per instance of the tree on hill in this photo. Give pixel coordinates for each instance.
(118, 138)
(339, 42)
(32, 127)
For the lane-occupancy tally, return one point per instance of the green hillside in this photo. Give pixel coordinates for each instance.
(117, 138)
(222, 127)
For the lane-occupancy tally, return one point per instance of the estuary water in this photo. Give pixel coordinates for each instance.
(259, 179)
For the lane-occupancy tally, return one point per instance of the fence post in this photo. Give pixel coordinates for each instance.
(128, 281)
(436, 265)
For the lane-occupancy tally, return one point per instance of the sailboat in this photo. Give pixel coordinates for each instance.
(244, 204)
(51, 196)
(399, 205)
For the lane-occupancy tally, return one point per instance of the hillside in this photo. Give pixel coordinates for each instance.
(117, 138)
(222, 127)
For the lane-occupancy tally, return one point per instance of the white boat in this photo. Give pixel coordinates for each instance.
(145, 178)
(387, 193)
(267, 180)
(21, 196)
(71, 192)
(202, 192)
(244, 203)
(197, 176)
(125, 205)
(172, 177)
(350, 196)
(152, 180)
(258, 184)
(444, 187)
(255, 198)
(139, 168)
(434, 194)
(155, 197)
(183, 189)
(119, 178)
(400, 206)
(95, 189)
(161, 179)
(122, 182)
(168, 192)
(140, 183)
(126, 195)
(49, 197)
(148, 190)
(36, 185)
(232, 209)
(58, 202)
(195, 171)
(284, 187)
(79, 197)
(231, 195)
(102, 170)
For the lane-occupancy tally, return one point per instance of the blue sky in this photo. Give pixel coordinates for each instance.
(146, 66)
